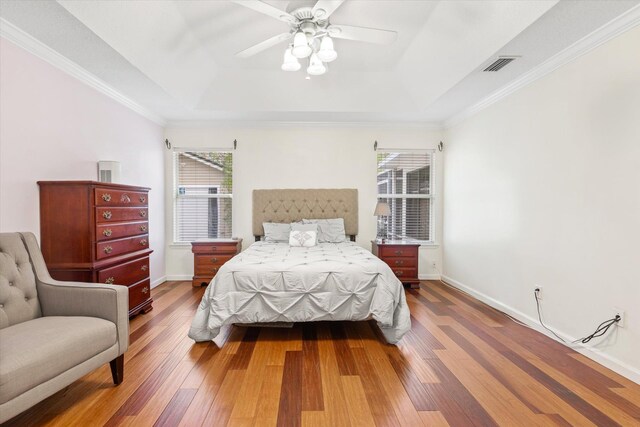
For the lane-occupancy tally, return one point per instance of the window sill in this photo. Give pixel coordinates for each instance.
(179, 245)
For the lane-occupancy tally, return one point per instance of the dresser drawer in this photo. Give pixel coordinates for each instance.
(116, 231)
(121, 246)
(125, 274)
(108, 197)
(215, 248)
(139, 293)
(406, 262)
(405, 273)
(120, 214)
(397, 251)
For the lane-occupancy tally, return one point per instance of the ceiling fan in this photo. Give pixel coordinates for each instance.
(312, 33)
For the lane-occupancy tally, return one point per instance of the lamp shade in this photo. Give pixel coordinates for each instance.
(301, 48)
(382, 209)
(326, 52)
(290, 62)
(316, 67)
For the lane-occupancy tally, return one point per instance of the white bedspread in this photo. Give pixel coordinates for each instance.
(273, 282)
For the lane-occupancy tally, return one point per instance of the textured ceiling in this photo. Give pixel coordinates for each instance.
(177, 58)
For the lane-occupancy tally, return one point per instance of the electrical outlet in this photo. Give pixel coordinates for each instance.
(433, 265)
(617, 311)
(538, 290)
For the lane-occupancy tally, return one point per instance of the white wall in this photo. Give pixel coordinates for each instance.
(53, 127)
(300, 157)
(543, 188)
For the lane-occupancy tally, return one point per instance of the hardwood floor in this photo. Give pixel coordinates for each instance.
(462, 364)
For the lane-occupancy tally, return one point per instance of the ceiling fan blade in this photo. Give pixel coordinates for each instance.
(363, 34)
(263, 45)
(324, 8)
(267, 9)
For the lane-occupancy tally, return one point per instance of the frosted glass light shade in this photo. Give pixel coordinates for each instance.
(326, 52)
(290, 62)
(316, 67)
(301, 48)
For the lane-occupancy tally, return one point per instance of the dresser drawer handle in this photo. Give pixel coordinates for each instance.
(125, 199)
(144, 268)
(214, 260)
(143, 242)
(106, 215)
(108, 249)
(107, 232)
(143, 199)
(110, 281)
(398, 273)
(143, 228)
(145, 290)
(106, 197)
(398, 262)
(215, 270)
(398, 252)
(143, 214)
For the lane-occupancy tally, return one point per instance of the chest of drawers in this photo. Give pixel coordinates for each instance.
(98, 232)
(402, 257)
(210, 255)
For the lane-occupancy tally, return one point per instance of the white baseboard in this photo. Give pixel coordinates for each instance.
(432, 276)
(180, 277)
(595, 354)
(158, 281)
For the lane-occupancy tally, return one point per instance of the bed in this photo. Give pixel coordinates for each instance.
(274, 282)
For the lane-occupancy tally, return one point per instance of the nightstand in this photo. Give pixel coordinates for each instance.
(209, 256)
(401, 256)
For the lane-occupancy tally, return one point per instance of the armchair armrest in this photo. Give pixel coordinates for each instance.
(58, 298)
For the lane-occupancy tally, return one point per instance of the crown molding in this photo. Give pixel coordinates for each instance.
(435, 126)
(44, 52)
(613, 28)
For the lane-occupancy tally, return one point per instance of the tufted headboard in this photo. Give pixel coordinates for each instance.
(297, 204)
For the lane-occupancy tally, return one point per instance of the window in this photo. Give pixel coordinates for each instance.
(405, 182)
(203, 196)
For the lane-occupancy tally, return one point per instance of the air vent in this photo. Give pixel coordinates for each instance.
(500, 63)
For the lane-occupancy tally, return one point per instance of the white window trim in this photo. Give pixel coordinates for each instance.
(432, 192)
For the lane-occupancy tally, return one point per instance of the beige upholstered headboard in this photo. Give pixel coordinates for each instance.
(296, 204)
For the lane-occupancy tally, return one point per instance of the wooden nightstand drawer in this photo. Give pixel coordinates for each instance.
(213, 248)
(405, 273)
(397, 251)
(406, 262)
(204, 264)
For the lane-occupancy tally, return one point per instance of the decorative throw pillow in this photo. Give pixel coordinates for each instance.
(276, 232)
(302, 238)
(329, 230)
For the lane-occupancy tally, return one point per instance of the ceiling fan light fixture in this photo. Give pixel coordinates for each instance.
(327, 53)
(301, 48)
(290, 62)
(316, 67)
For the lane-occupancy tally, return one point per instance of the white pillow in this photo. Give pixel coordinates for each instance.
(303, 238)
(329, 230)
(276, 232)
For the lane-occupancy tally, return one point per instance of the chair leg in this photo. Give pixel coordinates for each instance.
(117, 369)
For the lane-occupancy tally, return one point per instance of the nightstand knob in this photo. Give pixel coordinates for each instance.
(398, 273)
(110, 281)
(398, 252)
(215, 269)
(214, 260)
(399, 262)
(144, 268)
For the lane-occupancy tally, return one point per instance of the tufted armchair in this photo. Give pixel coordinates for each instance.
(51, 332)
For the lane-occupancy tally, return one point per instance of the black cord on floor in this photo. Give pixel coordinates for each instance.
(600, 330)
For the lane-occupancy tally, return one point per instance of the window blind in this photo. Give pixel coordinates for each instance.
(203, 199)
(405, 182)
